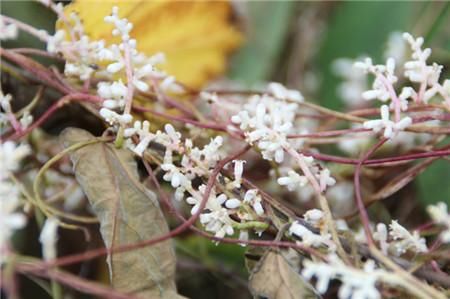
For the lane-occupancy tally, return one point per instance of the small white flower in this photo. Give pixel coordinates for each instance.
(356, 283)
(169, 85)
(390, 128)
(325, 179)
(439, 214)
(238, 170)
(266, 121)
(254, 199)
(405, 240)
(174, 136)
(80, 70)
(54, 41)
(417, 69)
(308, 237)
(10, 220)
(384, 79)
(113, 117)
(115, 90)
(5, 102)
(282, 93)
(26, 120)
(381, 235)
(218, 222)
(293, 180)
(313, 216)
(122, 26)
(140, 85)
(233, 203)
(173, 175)
(145, 137)
(11, 155)
(407, 92)
(115, 67)
(48, 238)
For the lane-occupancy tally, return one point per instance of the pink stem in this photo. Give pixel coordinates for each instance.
(129, 72)
(393, 95)
(60, 103)
(359, 201)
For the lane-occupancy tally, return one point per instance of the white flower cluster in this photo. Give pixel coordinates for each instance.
(85, 58)
(296, 182)
(10, 220)
(314, 217)
(309, 238)
(355, 283)
(7, 116)
(384, 79)
(198, 163)
(390, 127)
(6, 111)
(354, 84)
(439, 214)
(266, 121)
(416, 70)
(402, 239)
(383, 90)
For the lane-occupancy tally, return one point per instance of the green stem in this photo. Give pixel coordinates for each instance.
(251, 224)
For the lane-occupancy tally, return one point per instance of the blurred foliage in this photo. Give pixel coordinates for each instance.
(32, 13)
(434, 183)
(357, 28)
(266, 28)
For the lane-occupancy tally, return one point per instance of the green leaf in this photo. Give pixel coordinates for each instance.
(268, 24)
(128, 214)
(434, 183)
(357, 28)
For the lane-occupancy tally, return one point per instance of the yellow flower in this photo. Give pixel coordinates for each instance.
(196, 36)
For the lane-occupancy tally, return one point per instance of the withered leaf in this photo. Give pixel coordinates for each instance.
(273, 278)
(128, 213)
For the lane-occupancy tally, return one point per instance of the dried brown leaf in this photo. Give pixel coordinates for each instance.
(273, 278)
(128, 214)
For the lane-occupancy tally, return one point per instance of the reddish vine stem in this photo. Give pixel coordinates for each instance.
(73, 281)
(329, 133)
(359, 202)
(40, 72)
(37, 52)
(379, 162)
(217, 127)
(53, 108)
